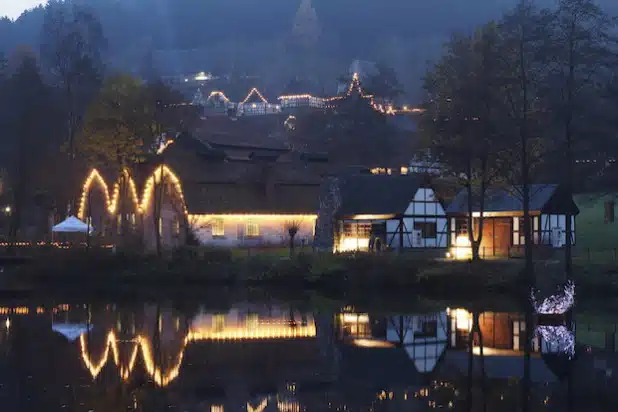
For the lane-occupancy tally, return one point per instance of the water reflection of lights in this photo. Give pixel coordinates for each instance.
(559, 337)
(429, 394)
(463, 318)
(355, 318)
(142, 345)
(372, 343)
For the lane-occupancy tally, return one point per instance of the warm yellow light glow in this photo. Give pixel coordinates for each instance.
(7, 324)
(203, 76)
(462, 248)
(371, 217)
(216, 408)
(463, 319)
(218, 94)
(261, 332)
(160, 173)
(164, 146)
(125, 371)
(93, 177)
(243, 217)
(348, 244)
(404, 170)
(259, 408)
(257, 93)
(355, 318)
(372, 343)
(141, 344)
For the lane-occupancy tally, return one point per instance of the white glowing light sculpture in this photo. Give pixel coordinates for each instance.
(555, 304)
(559, 337)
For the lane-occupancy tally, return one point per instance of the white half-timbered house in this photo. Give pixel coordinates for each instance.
(424, 337)
(388, 211)
(503, 225)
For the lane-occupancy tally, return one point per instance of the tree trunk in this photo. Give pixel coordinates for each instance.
(292, 244)
(526, 384)
(568, 132)
(477, 326)
(470, 369)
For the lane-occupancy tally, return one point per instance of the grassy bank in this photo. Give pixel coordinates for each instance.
(334, 274)
(331, 275)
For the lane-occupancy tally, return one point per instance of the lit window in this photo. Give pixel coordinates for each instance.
(133, 219)
(218, 228)
(253, 229)
(160, 226)
(119, 224)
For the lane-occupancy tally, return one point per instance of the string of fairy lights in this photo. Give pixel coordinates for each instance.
(354, 86)
(140, 205)
(141, 344)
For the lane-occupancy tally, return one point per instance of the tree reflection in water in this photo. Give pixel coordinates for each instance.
(404, 361)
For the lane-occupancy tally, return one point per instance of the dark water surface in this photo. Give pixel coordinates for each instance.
(191, 355)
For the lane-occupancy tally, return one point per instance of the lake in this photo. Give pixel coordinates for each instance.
(244, 354)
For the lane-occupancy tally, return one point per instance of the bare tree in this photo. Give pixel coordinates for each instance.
(460, 125)
(581, 46)
(523, 31)
(71, 45)
(292, 227)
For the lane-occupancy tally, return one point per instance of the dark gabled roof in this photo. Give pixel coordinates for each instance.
(508, 200)
(377, 194)
(247, 131)
(255, 198)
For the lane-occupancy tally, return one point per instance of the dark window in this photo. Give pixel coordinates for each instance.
(427, 330)
(428, 229)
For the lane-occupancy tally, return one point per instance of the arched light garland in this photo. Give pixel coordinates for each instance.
(141, 206)
(220, 94)
(141, 344)
(94, 176)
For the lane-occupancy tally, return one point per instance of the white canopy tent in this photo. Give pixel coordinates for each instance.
(71, 331)
(72, 225)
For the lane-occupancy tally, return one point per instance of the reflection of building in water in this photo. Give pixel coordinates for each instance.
(160, 341)
(500, 330)
(504, 335)
(424, 337)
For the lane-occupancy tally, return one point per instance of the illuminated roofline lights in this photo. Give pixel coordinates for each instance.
(241, 216)
(251, 93)
(142, 345)
(218, 93)
(141, 205)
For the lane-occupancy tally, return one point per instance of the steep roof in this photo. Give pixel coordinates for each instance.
(249, 131)
(377, 194)
(214, 185)
(509, 200)
(255, 198)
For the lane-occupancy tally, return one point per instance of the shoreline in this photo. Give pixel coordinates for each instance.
(327, 274)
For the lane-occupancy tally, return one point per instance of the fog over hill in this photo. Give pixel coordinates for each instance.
(257, 37)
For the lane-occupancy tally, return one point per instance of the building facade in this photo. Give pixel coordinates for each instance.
(503, 223)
